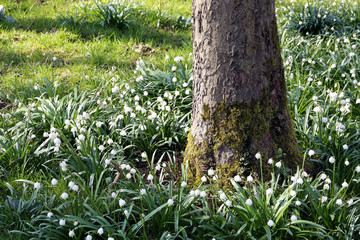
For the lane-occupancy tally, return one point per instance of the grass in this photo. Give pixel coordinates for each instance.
(85, 103)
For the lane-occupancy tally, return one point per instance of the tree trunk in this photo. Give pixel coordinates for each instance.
(240, 105)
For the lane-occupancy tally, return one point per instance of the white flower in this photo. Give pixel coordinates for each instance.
(81, 137)
(157, 167)
(304, 174)
(339, 202)
(64, 196)
(331, 160)
(270, 223)
(237, 178)
(63, 166)
(122, 202)
(110, 141)
(183, 184)
(248, 202)
(100, 231)
(173, 69)
(317, 109)
(75, 188)
(297, 203)
(258, 155)
(270, 161)
(269, 191)
(293, 218)
(170, 202)
(128, 176)
(278, 164)
(357, 169)
(328, 180)
(192, 193)
(62, 222)
(50, 214)
(345, 147)
(178, 59)
(350, 202)
(323, 199)
(101, 148)
(142, 191)
(344, 184)
(250, 178)
(228, 203)
(76, 223)
(347, 163)
(323, 176)
(211, 172)
(2, 10)
(88, 237)
(150, 177)
(324, 120)
(37, 185)
(326, 187)
(110, 238)
(54, 182)
(71, 233)
(222, 196)
(54, 59)
(203, 179)
(113, 194)
(202, 194)
(299, 181)
(197, 192)
(71, 184)
(311, 153)
(143, 155)
(292, 193)
(174, 79)
(67, 122)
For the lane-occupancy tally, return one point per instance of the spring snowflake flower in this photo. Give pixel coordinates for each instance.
(76, 223)
(37, 185)
(258, 155)
(71, 184)
(113, 194)
(270, 161)
(350, 202)
(237, 178)
(311, 153)
(299, 181)
(99, 124)
(357, 169)
(339, 202)
(197, 192)
(54, 59)
(345, 147)
(324, 120)
(228, 203)
(143, 155)
(248, 202)
(50, 214)
(128, 176)
(2, 10)
(250, 178)
(202, 194)
(278, 164)
(183, 184)
(323, 176)
(64, 196)
(344, 184)
(317, 109)
(54, 182)
(346, 163)
(150, 177)
(88, 237)
(203, 179)
(81, 137)
(323, 199)
(292, 193)
(157, 167)
(328, 180)
(269, 191)
(173, 69)
(178, 59)
(100, 231)
(331, 160)
(62, 222)
(270, 223)
(71, 233)
(170, 202)
(110, 238)
(211, 172)
(142, 191)
(75, 188)
(297, 203)
(122, 202)
(326, 187)
(293, 218)
(222, 196)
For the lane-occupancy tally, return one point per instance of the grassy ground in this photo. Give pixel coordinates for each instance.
(28, 46)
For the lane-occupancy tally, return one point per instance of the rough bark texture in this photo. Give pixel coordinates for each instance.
(240, 105)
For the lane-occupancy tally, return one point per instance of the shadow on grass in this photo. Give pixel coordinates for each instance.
(91, 30)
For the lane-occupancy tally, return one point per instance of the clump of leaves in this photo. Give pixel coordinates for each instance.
(313, 20)
(116, 14)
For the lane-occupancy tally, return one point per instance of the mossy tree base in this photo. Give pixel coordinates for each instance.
(240, 104)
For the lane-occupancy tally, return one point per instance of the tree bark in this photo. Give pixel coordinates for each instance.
(240, 105)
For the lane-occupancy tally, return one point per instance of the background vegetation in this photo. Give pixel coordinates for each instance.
(96, 91)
